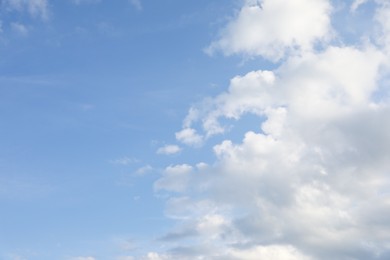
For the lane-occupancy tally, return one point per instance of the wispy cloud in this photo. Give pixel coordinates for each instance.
(36, 8)
(124, 161)
(355, 5)
(80, 2)
(19, 29)
(143, 170)
(137, 4)
(169, 149)
(83, 258)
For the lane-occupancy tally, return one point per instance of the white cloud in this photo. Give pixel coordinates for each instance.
(36, 8)
(169, 149)
(312, 182)
(137, 4)
(270, 28)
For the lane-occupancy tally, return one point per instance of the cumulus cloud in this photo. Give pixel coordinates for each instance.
(312, 181)
(270, 28)
(169, 149)
(36, 8)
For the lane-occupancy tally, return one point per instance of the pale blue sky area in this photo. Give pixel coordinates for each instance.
(89, 93)
(88, 86)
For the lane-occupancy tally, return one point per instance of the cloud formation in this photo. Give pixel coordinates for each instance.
(312, 181)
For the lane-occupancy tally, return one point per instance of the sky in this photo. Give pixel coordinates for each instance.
(208, 129)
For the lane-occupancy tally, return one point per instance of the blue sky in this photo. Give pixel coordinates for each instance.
(158, 130)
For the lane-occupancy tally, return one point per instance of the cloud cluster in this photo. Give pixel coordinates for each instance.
(312, 182)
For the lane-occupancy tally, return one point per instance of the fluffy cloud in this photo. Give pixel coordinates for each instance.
(270, 28)
(312, 182)
(36, 8)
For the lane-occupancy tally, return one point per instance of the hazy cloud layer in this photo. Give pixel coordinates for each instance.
(36, 8)
(169, 149)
